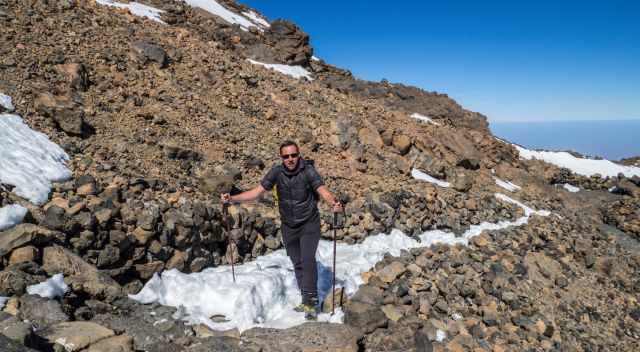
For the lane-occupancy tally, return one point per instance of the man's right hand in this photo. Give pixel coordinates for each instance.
(225, 198)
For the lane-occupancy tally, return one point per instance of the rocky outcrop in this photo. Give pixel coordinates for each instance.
(457, 298)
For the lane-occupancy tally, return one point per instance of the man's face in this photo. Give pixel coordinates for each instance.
(290, 156)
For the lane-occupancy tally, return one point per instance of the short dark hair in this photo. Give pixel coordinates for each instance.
(288, 143)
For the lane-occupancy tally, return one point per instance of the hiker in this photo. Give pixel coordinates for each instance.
(297, 186)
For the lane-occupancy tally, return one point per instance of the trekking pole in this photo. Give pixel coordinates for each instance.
(333, 281)
(225, 219)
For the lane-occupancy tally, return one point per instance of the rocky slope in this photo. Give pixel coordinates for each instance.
(160, 118)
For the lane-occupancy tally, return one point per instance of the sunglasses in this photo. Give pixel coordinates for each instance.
(292, 156)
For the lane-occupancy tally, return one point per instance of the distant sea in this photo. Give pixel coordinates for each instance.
(611, 140)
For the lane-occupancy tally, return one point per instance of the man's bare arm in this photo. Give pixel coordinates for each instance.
(246, 196)
(329, 198)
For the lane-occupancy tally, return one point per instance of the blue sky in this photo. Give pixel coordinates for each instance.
(510, 60)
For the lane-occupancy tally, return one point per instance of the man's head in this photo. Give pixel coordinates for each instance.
(290, 154)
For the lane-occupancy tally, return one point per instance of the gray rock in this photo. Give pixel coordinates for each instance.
(8, 345)
(366, 317)
(368, 294)
(14, 328)
(55, 218)
(42, 311)
(217, 343)
(150, 326)
(305, 337)
(150, 52)
(14, 280)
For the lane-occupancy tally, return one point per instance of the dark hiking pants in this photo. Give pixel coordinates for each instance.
(301, 244)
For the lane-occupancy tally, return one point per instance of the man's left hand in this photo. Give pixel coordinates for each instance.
(337, 207)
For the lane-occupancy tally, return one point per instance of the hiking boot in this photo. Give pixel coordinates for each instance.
(310, 312)
(309, 306)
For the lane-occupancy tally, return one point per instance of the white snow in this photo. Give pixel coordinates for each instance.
(293, 71)
(266, 292)
(136, 9)
(6, 102)
(581, 166)
(11, 215)
(440, 335)
(423, 118)
(29, 160)
(52, 288)
(419, 175)
(3, 301)
(215, 8)
(571, 188)
(511, 187)
(257, 19)
(314, 58)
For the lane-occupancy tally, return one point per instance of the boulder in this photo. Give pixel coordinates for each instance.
(15, 279)
(121, 343)
(363, 316)
(68, 115)
(309, 337)
(369, 135)
(625, 186)
(23, 254)
(82, 275)
(74, 335)
(40, 310)
(23, 234)
(402, 143)
(76, 74)
(15, 329)
(391, 272)
(460, 181)
(8, 345)
(147, 51)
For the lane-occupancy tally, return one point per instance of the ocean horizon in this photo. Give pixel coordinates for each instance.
(609, 139)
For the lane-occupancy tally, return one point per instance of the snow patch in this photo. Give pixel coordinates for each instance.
(257, 19)
(6, 102)
(11, 215)
(571, 188)
(136, 9)
(293, 71)
(52, 288)
(265, 291)
(314, 58)
(215, 8)
(581, 166)
(511, 187)
(29, 160)
(423, 118)
(419, 175)
(440, 335)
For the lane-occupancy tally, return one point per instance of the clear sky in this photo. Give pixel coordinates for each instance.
(510, 60)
